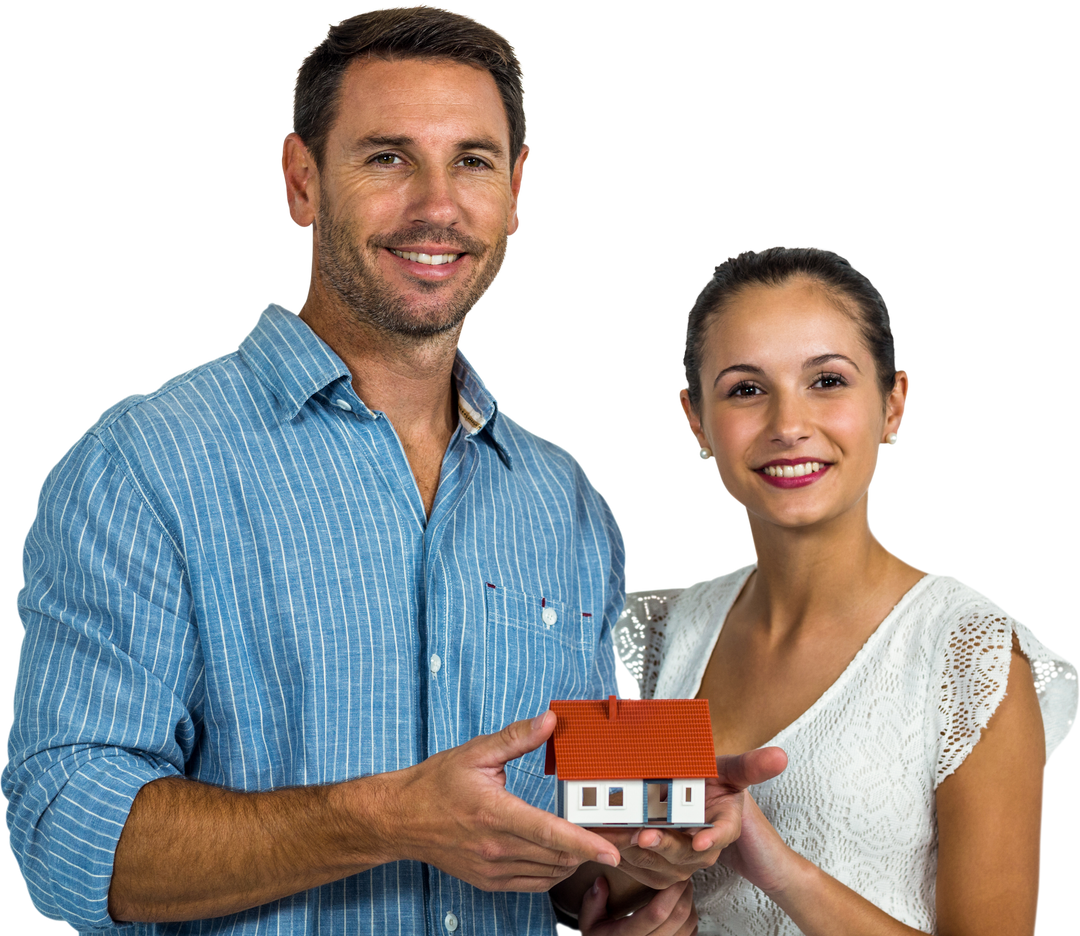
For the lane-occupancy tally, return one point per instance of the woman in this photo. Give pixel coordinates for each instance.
(915, 714)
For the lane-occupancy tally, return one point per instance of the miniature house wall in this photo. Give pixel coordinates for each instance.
(632, 761)
(633, 802)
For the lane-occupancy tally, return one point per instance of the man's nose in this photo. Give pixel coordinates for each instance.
(433, 197)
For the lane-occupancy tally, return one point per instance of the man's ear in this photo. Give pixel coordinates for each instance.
(301, 180)
(515, 187)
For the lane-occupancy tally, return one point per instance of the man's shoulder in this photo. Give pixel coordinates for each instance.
(535, 453)
(194, 396)
(278, 367)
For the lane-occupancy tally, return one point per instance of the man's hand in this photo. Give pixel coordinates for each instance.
(670, 912)
(453, 811)
(660, 857)
(190, 851)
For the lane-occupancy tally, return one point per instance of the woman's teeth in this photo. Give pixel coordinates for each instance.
(793, 471)
(433, 259)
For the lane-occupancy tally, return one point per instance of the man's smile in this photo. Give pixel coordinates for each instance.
(433, 259)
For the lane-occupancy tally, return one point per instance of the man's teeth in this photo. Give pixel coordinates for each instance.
(793, 471)
(432, 259)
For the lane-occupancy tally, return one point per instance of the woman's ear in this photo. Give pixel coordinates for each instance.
(894, 403)
(694, 419)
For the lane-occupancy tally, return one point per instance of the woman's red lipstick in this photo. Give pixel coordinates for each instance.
(781, 472)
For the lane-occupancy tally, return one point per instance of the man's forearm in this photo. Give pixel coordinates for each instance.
(190, 851)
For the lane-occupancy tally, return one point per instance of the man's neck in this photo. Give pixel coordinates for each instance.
(410, 379)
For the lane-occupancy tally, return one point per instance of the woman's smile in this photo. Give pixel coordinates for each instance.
(792, 472)
(791, 405)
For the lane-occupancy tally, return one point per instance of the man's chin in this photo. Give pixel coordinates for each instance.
(409, 318)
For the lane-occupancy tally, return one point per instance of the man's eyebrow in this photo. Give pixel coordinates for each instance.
(383, 142)
(377, 141)
(818, 361)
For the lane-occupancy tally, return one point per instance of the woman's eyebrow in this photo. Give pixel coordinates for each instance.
(807, 365)
(828, 358)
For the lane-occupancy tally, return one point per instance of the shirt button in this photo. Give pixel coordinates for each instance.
(343, 404)
(436, 665)
(450, 922)
(549, 616)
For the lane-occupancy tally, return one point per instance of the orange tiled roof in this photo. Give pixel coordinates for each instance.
(646, 739)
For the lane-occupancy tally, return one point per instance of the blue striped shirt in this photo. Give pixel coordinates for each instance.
(233, 579)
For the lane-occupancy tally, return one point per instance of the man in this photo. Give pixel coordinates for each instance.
(279, 612)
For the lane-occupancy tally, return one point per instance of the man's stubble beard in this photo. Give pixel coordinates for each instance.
(369, 297)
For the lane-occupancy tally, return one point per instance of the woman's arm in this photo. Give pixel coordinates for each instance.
(988, 841)
(989, 814)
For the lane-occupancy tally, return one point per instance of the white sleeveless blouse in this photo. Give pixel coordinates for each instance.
(857, 798)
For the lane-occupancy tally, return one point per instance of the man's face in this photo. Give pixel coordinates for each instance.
(417, 193)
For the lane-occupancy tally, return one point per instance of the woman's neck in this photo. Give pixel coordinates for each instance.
(827, 575)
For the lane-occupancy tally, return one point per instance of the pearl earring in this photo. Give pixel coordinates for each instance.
(705, 453)
(891, 438)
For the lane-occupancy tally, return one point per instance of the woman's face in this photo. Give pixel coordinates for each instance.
(791, 405)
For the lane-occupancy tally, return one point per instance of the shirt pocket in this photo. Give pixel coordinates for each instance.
(536, 649)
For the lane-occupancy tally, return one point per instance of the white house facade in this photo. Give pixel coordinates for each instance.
(632, 802)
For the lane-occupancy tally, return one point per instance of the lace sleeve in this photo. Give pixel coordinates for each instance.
(973, 659)
(974, 674)
(1055, 683)
(630, 639)
(639, 636)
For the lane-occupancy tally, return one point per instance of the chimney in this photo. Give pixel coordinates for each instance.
(612, 707)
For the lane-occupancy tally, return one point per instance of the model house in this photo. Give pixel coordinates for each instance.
(632, 761)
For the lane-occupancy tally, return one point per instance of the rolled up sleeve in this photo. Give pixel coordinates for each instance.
(109, 680)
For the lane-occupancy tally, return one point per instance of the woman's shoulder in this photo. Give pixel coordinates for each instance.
(939, 612)
(641, 632)
(659, 603)
(972, 640)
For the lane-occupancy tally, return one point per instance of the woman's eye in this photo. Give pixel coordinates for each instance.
(829, 381)
(744, 389)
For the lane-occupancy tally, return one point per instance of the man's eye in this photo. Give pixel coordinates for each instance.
(386, 159)
(472, 162)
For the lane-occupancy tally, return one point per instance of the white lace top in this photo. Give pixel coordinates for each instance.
(864, 760)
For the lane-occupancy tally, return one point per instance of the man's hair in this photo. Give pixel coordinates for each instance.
(416, 32)
(852, 292)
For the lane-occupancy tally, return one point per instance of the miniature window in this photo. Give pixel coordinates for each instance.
(614, 796)
(588, 796)
(688, 795)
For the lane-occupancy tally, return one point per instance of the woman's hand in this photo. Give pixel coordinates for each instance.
(759, 854)
(670, 912)
(660, 856)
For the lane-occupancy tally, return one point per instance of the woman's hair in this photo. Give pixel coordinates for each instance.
(847, 287)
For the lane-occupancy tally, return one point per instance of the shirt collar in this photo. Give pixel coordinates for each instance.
(477, 409)
(290, 359)
(296, 364)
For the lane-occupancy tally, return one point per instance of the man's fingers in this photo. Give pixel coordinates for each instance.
(737, 772)
(515, 739)
(593, 905)
(669, 913)
(557, 836)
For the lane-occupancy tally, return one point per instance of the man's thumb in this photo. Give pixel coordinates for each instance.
(593, 904)
(521, 737)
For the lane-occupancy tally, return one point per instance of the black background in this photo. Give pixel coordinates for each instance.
(154, 231)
